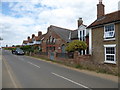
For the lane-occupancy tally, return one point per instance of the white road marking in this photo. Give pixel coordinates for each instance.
(34, 64)
(11, 77)
(71, 81)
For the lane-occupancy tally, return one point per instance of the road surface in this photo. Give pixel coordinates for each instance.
(27, 72)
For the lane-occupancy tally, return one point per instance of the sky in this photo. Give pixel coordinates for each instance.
(22, 18)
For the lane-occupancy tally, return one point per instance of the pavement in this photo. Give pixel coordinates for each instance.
(26, 72)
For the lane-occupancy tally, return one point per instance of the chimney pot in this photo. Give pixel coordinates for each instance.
(28, 37)
(100, 9)
(39, 33)
(80, 22)
(33, 35)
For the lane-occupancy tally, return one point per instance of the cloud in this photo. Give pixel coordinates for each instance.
(14, 30)
(30, 16)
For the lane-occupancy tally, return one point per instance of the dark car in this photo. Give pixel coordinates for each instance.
(18, 51)
(13, 51)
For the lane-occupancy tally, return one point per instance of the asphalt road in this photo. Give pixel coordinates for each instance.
(26, 72)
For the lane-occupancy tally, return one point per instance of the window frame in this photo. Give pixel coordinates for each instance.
(109, 38)
(107, 61)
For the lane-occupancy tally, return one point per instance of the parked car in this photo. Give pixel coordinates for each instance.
(13, 51)
(18, 51)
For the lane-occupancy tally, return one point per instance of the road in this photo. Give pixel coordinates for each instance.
(27, 72)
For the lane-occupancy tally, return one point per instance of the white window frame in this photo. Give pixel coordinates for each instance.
(109, 37)
(111, 45)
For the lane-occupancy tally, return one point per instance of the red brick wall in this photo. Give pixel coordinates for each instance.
(59, 42)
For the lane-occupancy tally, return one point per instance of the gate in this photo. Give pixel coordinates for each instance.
(51, 55)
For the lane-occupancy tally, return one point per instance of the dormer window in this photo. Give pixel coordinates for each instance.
(109, 31)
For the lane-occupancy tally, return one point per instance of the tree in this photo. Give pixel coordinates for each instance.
(76, 45)
(17, 46)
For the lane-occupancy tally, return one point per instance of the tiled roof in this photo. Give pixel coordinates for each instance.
(74, 34)
(108, 18)
(37, 38)
(62, 32)
(25, 41)
(30, 41)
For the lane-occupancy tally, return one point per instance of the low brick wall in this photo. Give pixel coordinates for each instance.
(85, 62)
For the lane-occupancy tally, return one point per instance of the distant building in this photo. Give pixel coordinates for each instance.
(34, 40)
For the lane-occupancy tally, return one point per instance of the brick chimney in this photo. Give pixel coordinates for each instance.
(33, 35)
(39, 33)
(80, 22)
(28, 38)
(100, 9)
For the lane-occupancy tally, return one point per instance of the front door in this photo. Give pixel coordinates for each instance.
(51, 55)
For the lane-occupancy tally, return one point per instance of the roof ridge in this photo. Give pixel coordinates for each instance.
(112, 12)
(60, 27)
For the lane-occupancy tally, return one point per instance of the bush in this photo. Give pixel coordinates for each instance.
(28, 48)
(76, 45)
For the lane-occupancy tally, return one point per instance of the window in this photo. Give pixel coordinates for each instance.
(110, 53)
(47, 41)
(53, 40)
(80, 35)
(109, 31)
(83, 35)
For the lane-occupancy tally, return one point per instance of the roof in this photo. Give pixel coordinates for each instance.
(25, 41)
(37, 38)
(108, 18)
(30, 41)
(62, 32)
(74, 34)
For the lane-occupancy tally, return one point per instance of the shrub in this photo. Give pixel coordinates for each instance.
(76, 45)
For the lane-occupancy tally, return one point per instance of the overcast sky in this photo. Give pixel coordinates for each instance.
(21, 18)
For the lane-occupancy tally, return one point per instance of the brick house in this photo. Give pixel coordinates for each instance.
(27, 42)
(104, 36)
(55, 39)
(35, 40)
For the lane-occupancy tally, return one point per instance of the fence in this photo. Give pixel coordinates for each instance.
(42, 53)
(65, 55)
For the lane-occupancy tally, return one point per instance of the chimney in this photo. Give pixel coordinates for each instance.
(28, 38)
(39, 33)
(80, 22)
(100, 9)
(33, 35)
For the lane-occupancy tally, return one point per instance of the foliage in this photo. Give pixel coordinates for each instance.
(17, 45)
(7, 48)
(28, 48)
(76, 45)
